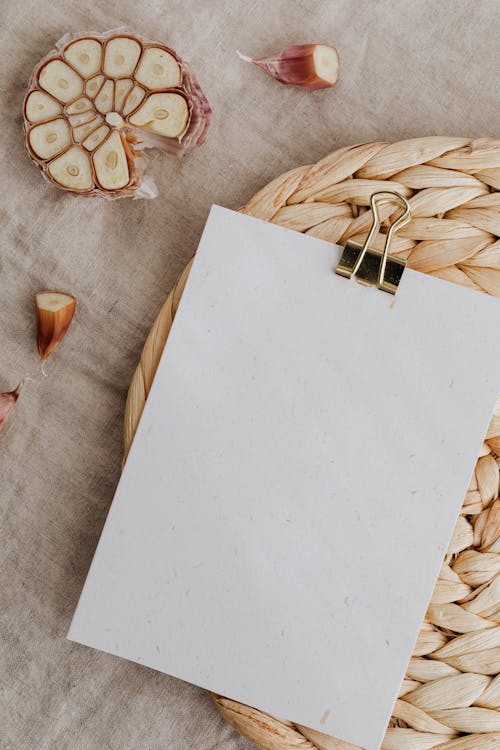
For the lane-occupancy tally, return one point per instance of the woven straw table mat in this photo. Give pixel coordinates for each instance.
(450, 697)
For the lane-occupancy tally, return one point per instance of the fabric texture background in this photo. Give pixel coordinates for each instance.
(407, 69)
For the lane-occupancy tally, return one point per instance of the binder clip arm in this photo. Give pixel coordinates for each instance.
(370, 266)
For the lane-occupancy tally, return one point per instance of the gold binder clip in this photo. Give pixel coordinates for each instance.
(371, 266)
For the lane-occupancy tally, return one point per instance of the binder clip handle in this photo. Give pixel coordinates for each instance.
(371, 266)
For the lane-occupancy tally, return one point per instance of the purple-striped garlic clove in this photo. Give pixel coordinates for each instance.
(310, 66)
(8, 400)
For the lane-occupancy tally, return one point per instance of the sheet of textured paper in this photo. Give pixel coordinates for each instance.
(270, 538)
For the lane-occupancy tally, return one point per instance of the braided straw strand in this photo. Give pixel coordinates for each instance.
(450, 697)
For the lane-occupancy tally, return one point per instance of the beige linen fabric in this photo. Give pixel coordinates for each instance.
(407, 69)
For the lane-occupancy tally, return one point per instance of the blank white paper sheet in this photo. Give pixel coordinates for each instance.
(295, 480)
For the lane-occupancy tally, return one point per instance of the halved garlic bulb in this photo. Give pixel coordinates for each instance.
(98, 100)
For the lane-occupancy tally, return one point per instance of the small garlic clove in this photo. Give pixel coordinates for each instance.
(85, 56)
(110, 163)
(81, 118)
(54, 313)
(81, 132)
(40, 106)
(49, 138)
(122, 87)
(93, 86)
(165, 114)
(104, 99)
(81, 105)
(310, 66)
(60, 80)
(158, 69)
(133, 99)
(95, 138)
(121, 56)
(7, 402)
(72, 170)
(114, 119)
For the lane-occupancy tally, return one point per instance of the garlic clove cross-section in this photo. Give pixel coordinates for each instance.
(50, 138)
(158, 69)
(58, 79)
(54, 313)
(110, 163)
(85, 56)
(96, 102)
(93, 85)
(73, 170)
(164, 114)
(120, 57)
(40, 106)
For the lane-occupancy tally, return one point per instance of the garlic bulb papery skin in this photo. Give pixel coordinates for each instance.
(98, 100)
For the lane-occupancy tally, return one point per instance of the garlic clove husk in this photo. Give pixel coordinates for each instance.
(54, 312)
(98, 101)
(8, 400)
(311, 66)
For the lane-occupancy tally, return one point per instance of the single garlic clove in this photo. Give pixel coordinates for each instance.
(104, 99)
(81, 118)
(158, 69)
(121, 56)
(326, 65)
(133, 100)
(40, 106)
(114, 119)
(93, 86)
(110, 163)
(54, 313)
(81, 105)
(72, 170)
(49, 138)
(122, 87)
(7, 402)
(95, 138)
(60, 80)
(85, 56)
(310, 66)
(166, 114)
(81, 132)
